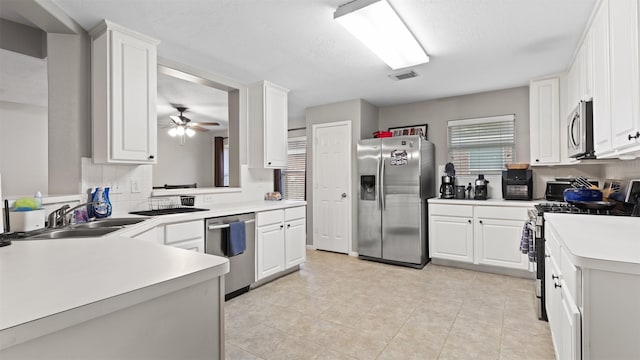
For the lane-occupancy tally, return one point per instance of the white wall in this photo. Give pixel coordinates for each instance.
(362, 116)
(188, 163)
(436, 113)
(23, 148)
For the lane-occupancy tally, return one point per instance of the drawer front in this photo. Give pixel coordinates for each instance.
(571, 276)
(502, 212)
(184, 231)
(551, 243)
(451, 210)
(269, 217)
(295, 213)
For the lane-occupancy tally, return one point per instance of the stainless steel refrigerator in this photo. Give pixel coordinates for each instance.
(396, 178)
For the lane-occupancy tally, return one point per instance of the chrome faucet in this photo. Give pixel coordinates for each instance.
(58, 217)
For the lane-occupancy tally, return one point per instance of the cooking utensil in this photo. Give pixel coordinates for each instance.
(582, 183)
(573, 194)
(594, 205)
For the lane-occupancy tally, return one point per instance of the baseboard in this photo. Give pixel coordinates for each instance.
(310, 247)
(486, 268)
(353, 253)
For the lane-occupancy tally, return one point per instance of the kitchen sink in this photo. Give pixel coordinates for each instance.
(109, 222)
(71, 233)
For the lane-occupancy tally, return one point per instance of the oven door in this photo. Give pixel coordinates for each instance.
(576, 142)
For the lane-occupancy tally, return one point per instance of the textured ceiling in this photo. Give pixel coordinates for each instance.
(474, 45)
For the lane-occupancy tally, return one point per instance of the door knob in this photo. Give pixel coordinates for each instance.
(344, 195)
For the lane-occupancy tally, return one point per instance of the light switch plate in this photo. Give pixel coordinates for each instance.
(135, 186)
(115, 188)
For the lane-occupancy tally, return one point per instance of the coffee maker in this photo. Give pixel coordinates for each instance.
(447, 187)
(481, 190)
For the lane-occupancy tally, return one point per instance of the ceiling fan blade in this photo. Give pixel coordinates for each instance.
(176, 119)
(198, 128)
(206, 124)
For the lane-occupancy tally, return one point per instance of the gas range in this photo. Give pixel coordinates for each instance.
(568, 208)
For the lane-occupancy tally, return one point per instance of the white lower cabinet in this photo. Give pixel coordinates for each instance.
(280, 240)
(451, 238)
(187, 235)
(483, 235)
(498, 242)
(270, 243)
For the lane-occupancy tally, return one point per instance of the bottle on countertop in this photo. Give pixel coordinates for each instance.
(38, 197)
(102, 206)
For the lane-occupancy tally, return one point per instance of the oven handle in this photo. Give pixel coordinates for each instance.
(224, 226)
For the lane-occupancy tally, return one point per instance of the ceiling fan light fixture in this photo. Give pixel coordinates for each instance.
(180, 130)
(173, 132)
(378, 26)
(190, 132)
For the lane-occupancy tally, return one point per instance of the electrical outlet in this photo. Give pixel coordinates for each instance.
(135, 186)
(115, 188)
(209, 198)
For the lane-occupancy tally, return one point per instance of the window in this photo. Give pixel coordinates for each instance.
(482, 145)
(294, 176)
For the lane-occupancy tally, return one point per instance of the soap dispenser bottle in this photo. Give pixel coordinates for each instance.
(102, 204)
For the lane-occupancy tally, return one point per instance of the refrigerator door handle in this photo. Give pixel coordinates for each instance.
(378, 185)
(382, 184)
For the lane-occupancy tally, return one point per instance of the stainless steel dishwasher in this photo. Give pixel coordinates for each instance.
(242, 266)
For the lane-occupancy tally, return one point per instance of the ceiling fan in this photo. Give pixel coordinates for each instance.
(182, 125)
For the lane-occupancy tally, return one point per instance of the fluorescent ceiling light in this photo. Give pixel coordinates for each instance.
(378, 26)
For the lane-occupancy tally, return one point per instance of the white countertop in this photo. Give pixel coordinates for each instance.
(216, 211)
(51, 278)
(488, 202)
(70, 279)
(609, 243)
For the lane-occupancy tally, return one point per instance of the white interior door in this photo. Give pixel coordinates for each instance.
(332, 186)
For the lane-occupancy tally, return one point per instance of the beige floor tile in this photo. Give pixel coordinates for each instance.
(333, 355)
(340, 307)
(293, 348)
(258, 340)
(359, 343)
(233, 352)
(409, 346)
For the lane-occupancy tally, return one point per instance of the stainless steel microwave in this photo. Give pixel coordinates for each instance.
(580, 131)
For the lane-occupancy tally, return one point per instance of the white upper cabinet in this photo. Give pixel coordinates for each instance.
(268, 119)
(625, 83)
(123, 76)
(601, 110)
(544, 121)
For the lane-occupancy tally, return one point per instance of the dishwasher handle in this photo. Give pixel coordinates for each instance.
(224, 226)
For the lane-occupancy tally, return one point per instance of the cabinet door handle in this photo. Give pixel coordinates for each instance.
(288, 225)
(547, 256)
(151, 157)
(554, 276)
(480, 221)
(637, 135)
(469, 221)
(281, 226)
(557, 285)
(269, 163)
(537, 160)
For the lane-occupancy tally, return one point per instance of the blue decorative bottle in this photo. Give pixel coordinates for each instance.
(103, 207)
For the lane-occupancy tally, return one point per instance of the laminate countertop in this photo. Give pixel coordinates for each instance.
(609, 243)
(488, 202)
(50, 284)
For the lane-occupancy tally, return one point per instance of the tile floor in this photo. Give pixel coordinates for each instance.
(339, 307)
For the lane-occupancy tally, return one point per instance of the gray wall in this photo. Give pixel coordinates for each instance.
(436, 113)
(362, 116)
(191, 162)
(69, 110)
(23, 39)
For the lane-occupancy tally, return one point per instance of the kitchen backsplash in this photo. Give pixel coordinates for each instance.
(130, 184)
(623, 170)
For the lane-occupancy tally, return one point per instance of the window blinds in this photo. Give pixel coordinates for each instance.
(482, 145)
(294, 176)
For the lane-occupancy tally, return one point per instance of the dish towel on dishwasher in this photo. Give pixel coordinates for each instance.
(236, 239)
(527, 245)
